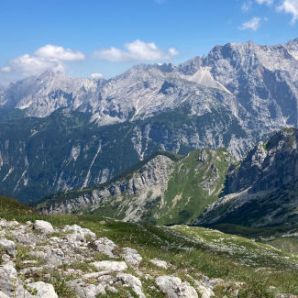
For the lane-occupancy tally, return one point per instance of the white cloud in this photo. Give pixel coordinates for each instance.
(31, 64)
(268, 2)
(173, 52)
(289, 7)
(96, 75)
(137, 50)
(59, 53)
(140, 50)
(47, 57)
(111, 54)
(253, 24)
(5, 69)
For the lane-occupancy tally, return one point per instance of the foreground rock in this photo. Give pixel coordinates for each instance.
(2, 295)
(131, 256)
(173, 287)
(8, 246)
(160, 263)
(43, 227)
(43, 290)
(71, 252)
(105, 246)
(78, 233)
(110, 266)
(10, 284)
(40, 261)
(107, 284)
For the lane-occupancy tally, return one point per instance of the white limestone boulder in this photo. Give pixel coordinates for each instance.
(131, 256)
(110, 266)
(8, 246)
(105, 246)
(43, 227)
(43, 290)
(173, 287)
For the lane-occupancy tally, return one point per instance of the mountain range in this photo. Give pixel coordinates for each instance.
(59, 134)
(206, 188)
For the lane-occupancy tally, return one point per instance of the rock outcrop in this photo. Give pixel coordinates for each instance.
(144, 261)
(164, 189)
(173, 287)
(63, 261)
(261, 190)
(140, 186)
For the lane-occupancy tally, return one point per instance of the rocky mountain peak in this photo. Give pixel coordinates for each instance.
(284, 140)
(51, 74)
(246, 71)
(262, 189)
(40, 96)
(292, 46)
(275, 158)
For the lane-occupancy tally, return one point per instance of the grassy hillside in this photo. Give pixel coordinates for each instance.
(195, 183)
(126, 175)
(10, 208)
(287, 243)
(173, 196)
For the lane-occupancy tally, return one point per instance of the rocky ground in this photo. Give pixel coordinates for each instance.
(42, 261)
(38, 260)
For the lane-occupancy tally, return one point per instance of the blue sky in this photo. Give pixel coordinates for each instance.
(108, 36)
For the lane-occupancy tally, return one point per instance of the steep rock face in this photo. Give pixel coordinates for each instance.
(162, 189)
(141, 92)
(65, 151)
(125, 198)
(262, 190)
(145, 91)
(50, 155)
(41, 96)
(262, 78)
(257, 83)
(2, 90)
(292, 47)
